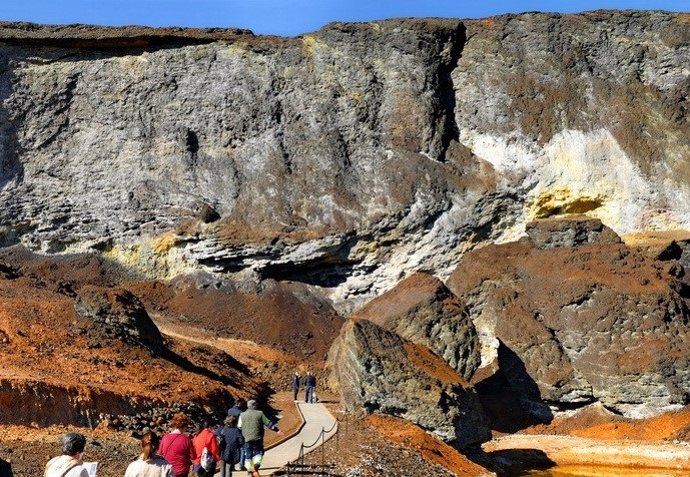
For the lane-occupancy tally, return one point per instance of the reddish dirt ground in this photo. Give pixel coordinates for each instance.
(281, 316)
(29, 448)
(45, 341)
(595, 422)
(40, 348)
(431, 449)
(367, 447)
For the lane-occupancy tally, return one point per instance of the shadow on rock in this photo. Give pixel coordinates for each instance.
(507, 462)
(187, 365)
(510, 397)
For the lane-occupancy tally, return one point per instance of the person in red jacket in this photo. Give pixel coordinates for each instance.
(207, 452)
(176, 447)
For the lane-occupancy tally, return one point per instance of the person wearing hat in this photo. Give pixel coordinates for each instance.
(69, 464)
(252, 423)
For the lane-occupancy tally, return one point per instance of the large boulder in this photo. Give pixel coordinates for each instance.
(119, 313)
(594, 321)
(423, 310)
(569, 231)
(380, 372)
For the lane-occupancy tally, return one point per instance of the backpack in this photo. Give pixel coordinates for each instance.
(206, 461)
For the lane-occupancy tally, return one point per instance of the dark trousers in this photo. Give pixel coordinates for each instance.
(295, 391)
(226, 468)
(254, 452)
(309, 394)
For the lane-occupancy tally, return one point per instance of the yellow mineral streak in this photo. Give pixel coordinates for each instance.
(164, 243)
(155, 258)
(562, 201)
(129, 257)
(310, 43)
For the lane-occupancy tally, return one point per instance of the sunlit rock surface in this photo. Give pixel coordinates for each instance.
(423, 310)
(585, 321)
(376, 370)
(347, 158)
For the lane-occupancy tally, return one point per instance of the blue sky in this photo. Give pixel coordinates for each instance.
(288, 17)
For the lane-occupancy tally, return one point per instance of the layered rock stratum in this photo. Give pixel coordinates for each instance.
(346, 158)
(169, 189)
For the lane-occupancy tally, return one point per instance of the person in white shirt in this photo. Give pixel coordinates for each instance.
(69, 464)
(149, 464)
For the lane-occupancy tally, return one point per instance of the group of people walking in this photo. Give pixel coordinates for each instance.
(238, 442)
(309, 386)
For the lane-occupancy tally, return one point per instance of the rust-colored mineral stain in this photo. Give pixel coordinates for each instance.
(424, 360)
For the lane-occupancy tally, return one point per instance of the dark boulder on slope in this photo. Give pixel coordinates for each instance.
(423, 310)
(376, 370)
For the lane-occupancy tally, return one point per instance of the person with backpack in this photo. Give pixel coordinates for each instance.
(69, 464)
(207, 452)
(231, 443)
(252, 423)
(176, 446)
(149, 463)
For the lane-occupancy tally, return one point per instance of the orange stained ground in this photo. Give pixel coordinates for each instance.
(432, 449)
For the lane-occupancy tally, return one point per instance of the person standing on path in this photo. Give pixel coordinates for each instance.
(149, 463)
(231, 444)
(69, 464)
(296, 378)
(252, 423)
(176, 447)
(207, 452)
(236, 410)
(309, 386)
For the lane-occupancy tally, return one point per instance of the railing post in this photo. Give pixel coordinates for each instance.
(323, 451)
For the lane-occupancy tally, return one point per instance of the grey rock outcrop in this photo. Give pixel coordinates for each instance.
(376, 370)
(574, 325)
(422, 309)
(569, 232)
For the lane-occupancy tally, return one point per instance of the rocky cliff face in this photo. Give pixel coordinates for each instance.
(344, 159)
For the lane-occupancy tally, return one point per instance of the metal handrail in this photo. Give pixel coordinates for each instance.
(300, 458)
